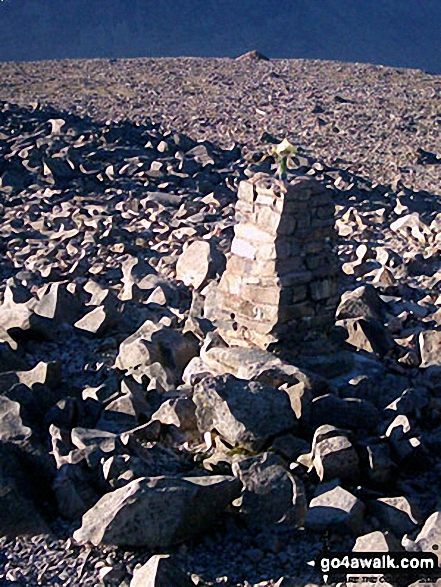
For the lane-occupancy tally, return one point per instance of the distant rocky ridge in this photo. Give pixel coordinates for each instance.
(390, 32)
(121, 402)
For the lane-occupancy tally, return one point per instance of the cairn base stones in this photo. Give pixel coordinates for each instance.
(280, 283)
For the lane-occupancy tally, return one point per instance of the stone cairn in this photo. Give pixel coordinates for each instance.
(281, 280)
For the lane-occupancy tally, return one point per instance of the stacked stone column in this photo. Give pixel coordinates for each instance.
(281, 280)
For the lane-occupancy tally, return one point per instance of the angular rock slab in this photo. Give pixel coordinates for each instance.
(19, 516)
(197, 263)
(160, 571)
(245, 414)
(334, 456)
(271, 494)
(430, 347)
(428, 538)
(335, 509)
(157, 512)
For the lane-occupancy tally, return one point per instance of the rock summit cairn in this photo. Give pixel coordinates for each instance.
(280, 284)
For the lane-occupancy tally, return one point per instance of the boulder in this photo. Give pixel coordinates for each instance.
(199, 262)
(367, 335)
(377, 541)
(351, 413)
(363, 302)
(19, 513)
(397, 514)
(98, 321)
(333, 456)
(335, 509)
(157, 512)
(271, 495)
(179, 412)
(160, 571)
(430, 348)
(153, 343)
(11, 423)
(377, 463)
(428, 539)
(74, 490)
(245, 414)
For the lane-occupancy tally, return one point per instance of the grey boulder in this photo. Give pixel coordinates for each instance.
(271, 494)
(160, 571)
(157, 512)
(245, 414)
(335, 509)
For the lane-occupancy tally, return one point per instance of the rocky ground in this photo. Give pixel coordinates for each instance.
(127, 428)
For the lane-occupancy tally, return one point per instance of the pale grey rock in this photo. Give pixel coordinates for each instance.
(245, 414)
(153, 343)
(377, 541)
(362, 302)
(428, 538)
(58, 303)
(367, 335)
(179, 412)
(133, 401)
(333, 455)
(400, 515)
(98, 321)
(335, 509)
(160, 571)
(197, 263)
(429, 343)
(157, 512)
(48, 374)
(12, 428)
(271, 495)
(251, 56)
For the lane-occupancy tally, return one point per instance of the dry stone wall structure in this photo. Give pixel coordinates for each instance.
(281, 280)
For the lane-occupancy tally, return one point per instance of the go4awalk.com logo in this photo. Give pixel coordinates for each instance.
(376, 567)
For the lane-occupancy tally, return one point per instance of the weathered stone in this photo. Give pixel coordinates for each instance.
(152, 343)
(290, 447)
(271, 494)
(398, 514)
(334, 456)
(199, 262)
(377, 542)
(98, 321)
(377, 463)
(245, 414)
(351, 413)
(428, 540)
(335, 509)
(430, 348)
(367, 335)
(19, 514)
(11, 423)
(157, 512)
(179, 412)
(160, 571)
(58, 303)
(74, 490)
(363, 302)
